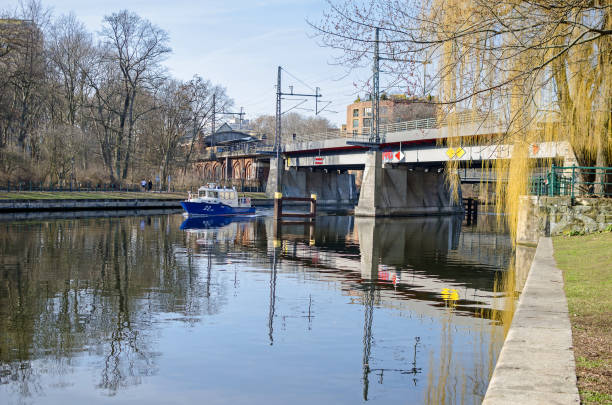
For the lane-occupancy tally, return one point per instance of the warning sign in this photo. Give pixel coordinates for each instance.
(455, 153)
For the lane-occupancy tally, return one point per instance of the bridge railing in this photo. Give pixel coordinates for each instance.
(365, 134)
(573, 181)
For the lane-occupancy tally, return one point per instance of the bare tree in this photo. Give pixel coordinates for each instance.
(292, 123)
(137, 47)
(168, 126)
(201, 93)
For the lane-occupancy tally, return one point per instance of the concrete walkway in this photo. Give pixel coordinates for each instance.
(536, 364)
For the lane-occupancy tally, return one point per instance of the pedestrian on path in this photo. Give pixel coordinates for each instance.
(150, 185)
(143, 185)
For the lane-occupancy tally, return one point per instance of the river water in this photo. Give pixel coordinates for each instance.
(158, 310)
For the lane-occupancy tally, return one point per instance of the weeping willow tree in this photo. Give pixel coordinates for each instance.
(537, 71)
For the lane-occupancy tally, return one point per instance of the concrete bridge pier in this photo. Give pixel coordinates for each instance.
(399, 191)
(331, 187)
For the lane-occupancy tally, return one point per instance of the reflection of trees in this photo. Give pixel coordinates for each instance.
(455, 378)
(94, 284)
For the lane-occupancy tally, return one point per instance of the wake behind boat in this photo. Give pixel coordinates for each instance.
(212, 200)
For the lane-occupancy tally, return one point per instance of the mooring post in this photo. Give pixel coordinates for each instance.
(311, 233)
(278, 205)
(469, 211)
(313, 205)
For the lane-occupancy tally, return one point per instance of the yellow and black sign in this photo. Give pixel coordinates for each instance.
(455, 153)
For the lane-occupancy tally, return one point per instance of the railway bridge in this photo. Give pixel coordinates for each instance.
(403, 173)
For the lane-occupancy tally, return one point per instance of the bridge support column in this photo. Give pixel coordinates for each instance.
(398, 191)
(275, 177)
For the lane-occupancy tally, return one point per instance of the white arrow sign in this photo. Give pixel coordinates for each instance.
(398, 156)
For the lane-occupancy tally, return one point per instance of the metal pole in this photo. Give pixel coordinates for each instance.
(376, 89)
(212, 131)
(277, 134)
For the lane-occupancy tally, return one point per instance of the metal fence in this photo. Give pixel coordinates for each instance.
(366, 134)
(574, 181)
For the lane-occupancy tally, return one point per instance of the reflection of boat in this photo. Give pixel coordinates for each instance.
(212, 201)
(210, 222)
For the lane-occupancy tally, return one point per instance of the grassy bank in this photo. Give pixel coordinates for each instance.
(586, 262)
(76, 195)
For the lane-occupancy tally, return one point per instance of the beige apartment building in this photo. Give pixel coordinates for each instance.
(359, 115)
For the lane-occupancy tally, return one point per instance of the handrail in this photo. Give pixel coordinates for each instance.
(587, 181)
(423, 123)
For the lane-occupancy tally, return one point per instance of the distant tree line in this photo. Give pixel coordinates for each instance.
(291, 123)
(75, 107)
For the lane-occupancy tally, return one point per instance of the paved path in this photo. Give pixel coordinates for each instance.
(536, 364)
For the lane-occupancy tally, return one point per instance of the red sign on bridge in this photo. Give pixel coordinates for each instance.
(390, 156)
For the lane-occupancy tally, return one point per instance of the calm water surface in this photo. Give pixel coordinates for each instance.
(152, 309)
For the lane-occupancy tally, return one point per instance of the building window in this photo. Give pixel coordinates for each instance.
(355, 112)
(383, 110)
(356, 123)
(366, 122)
(367, 111)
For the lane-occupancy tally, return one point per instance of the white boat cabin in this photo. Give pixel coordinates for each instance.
(214, 195)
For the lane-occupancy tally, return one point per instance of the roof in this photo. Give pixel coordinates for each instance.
(225, 135)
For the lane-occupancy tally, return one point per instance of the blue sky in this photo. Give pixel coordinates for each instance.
(239, 45)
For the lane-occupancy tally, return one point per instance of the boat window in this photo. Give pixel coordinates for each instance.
(233, 194)
(212, 194)
(225, 195)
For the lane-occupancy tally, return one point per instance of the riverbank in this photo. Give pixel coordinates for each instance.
(98, 195)
(28, 201)
(586, 262)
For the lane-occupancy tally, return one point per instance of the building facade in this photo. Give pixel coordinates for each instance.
(359, 115)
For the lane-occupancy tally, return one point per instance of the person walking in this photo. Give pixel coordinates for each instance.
(143, 185)
(150, 185)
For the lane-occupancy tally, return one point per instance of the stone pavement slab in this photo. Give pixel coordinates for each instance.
(536, 364)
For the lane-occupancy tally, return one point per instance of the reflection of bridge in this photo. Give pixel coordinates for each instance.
(414, 258)
(403, 173)
(401, 264)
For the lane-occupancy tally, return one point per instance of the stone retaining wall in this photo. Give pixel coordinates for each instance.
(550, 216)
(89, 204)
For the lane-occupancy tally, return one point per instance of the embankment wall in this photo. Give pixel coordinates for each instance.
(550, 216)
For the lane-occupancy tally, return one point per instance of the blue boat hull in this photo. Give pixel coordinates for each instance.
(208, 209)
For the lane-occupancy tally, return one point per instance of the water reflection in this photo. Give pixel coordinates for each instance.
(354, 306)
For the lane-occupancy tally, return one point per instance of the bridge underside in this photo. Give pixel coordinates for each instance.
(332, 188)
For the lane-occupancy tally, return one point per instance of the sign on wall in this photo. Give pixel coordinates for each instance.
(392, 157)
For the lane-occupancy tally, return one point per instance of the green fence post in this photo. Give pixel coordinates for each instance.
(552, 181)
(573, 179)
